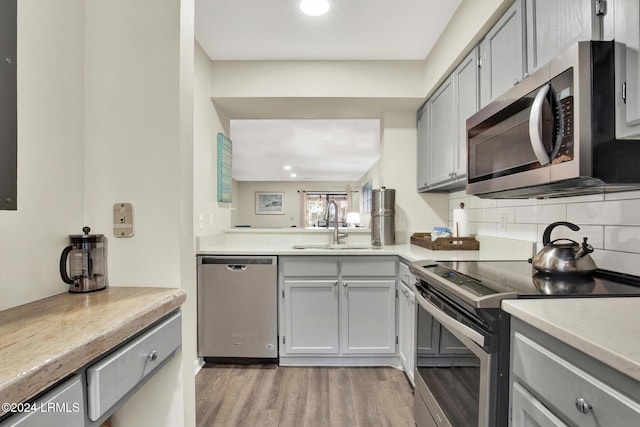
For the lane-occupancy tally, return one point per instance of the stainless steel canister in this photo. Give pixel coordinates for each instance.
(383, 203)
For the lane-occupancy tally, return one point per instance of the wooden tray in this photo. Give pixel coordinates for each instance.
(445, 243)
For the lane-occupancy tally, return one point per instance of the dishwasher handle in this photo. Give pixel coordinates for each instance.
(236, 267)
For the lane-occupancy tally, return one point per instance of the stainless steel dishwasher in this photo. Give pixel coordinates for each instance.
(237, 308)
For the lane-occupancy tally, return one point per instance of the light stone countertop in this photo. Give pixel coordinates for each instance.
(281, 242)
(44, 341)
(607, 329)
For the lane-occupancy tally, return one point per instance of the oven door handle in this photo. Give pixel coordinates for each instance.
(450, 323)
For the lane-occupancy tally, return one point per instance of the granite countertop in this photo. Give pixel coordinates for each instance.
(46, 340)
(607, 329)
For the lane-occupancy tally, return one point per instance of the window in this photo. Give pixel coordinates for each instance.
(315, 208)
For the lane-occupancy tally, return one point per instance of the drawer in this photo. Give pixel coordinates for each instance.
(310, 267)
(560, 384)
(61, 406)
(113, 377)
(371, 266)
(404, 274)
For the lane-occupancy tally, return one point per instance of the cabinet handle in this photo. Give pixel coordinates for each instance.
(152, 356)
(335, 283)
(582, 405)
(344, 284)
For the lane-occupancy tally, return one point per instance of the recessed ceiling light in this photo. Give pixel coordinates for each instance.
(287, 167)
(314, 7)
(293, 175)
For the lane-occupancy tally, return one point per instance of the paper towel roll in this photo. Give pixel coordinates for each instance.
(460, 223)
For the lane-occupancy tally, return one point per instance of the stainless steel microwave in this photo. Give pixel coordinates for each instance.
(553, 134)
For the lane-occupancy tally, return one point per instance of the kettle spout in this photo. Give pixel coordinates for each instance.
(585, 249)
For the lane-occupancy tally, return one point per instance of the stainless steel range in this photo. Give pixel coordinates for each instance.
(462, 361)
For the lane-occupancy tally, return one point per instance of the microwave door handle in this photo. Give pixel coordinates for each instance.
(535, 126)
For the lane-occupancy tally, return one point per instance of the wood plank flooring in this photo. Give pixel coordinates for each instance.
(270, 395)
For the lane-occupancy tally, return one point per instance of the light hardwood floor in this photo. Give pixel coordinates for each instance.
(270, 395)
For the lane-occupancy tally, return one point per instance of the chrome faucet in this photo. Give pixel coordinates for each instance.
(336, 235)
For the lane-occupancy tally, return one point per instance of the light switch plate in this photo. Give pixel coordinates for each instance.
(123, 220)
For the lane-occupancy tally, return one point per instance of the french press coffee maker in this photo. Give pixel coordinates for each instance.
(87, 261)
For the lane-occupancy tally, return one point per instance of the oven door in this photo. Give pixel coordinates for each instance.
(453, 376)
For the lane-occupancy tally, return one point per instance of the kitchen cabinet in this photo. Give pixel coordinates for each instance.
(503, 55)
(337, 306)
(406, 322)
(555, 384)
(627, 36)
(61, 406)
(8, 105)
(552, 26)
(442, 137)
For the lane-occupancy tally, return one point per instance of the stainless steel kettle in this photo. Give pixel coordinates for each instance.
(563, 255)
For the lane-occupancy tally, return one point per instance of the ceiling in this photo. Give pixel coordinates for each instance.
(278, 30)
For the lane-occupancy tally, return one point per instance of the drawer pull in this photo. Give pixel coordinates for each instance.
(154, 355)
(582, 405)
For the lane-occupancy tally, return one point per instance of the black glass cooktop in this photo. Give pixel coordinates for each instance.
(486, 278)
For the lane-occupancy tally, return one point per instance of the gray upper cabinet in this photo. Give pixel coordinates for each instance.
(627, 36)
(466, 80)
(552, 26)
(8, 106)
(442, 141)
(422, 156)
(502, 54)
(441, 134)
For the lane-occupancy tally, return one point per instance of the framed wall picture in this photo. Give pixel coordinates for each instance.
(269, 203)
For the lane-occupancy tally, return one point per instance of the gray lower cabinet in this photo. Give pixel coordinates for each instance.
(627, 36)
(114, 377)
(337, 306)
(61, 406)
(503, 55)
(96, 391)
(553, 384)
(406, 322)
(442, 138)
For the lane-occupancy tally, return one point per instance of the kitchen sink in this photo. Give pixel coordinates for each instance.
(336, 246)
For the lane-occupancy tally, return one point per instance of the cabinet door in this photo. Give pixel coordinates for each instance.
(553, 26)
(449, 344)
(442, 134)
(466, 81)
(368, 316)
(311, 316)
(61, 406)
(527, 411)
(422, 167)
(406, 329)
(627, 34)
(428, 334)
(502, 54)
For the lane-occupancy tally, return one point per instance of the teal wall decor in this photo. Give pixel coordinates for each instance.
(225, 188)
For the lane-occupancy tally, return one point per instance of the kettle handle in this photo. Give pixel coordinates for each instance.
(546, 237)
(63, 265)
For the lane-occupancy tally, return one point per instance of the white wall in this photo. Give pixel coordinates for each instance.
(415, 212)
(611, 222)
(50, 68)
(342, 79)
(214, 215)
(138, 149)
(246, 200)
